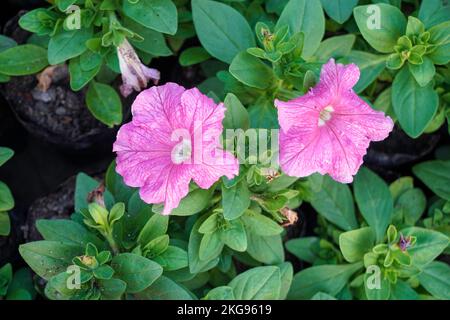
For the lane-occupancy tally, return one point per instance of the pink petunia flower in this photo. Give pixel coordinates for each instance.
(135, 74)
(329, 129)
(173, 138)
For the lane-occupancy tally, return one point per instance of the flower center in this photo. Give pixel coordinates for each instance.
(182, 151)
(325, 115)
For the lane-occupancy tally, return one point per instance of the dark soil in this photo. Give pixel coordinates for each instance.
(57, 205)
(58, 116)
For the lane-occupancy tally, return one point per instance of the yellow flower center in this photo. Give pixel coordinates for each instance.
(325, 115)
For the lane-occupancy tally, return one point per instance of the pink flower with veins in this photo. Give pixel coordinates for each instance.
(135, 74)
(329, 129)
(173, 138)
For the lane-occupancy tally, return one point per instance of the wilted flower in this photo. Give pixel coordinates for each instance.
(135, 74)
(329, 129)
(404, 243)
(172, 139)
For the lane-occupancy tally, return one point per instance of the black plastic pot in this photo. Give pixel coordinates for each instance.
(58, 116)
(399, 149)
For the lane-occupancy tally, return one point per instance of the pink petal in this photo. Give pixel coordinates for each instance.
(169, 186)
(205, 175)
(338, 78)
(304, 150)
(139, 154)
(156, 107)
(352, 114)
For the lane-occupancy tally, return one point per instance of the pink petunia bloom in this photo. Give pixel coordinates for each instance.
(173, 138)
(329, 129)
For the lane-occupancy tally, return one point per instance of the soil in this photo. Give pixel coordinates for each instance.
(57, 205)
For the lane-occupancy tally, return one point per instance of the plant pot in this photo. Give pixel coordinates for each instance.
(58, 116)
(399, 149)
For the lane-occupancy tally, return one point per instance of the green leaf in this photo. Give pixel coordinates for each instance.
(196, 265)
(154, 42)
(335, 47)
(260, 225)
(381, 293)
(304, 16)
(409, 100)
(48, 258)
(370, 66)
(83, 186)
(79, 77)
(6, 198)
(322, 296)
(335, 202)
(380, 27)
(433, 12)
(211, 246)
(286, 273)
(302, 248)
(40, 21)
(5, 155)
(355, 244)
(402, 291)
(412, 203)
(111, 289)
(222, 30)
(435, 278)
(195, 202)
(251, 71)
(23, 60)
(329, 279)
(234, 235)
(6, 43)
(173, 258)
(67, 44)
(159, 15)
(236, 116)
(429, 245)
(268, 250)
(220, 293)
(235, 200)
(193, 55)
(436, 176)
(67, 231)
(440, 36)
(400, 186)
(118, 188)
(165, 289)
(104, 103)
(155, 227)
(138, 272)
(263, 115)
(260, 283)
(374, 201)
(5, 224)
(423, 73)
(339, 10)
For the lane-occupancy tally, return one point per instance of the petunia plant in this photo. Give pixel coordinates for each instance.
(417, 49)
(98, 40)
(381, 251)
(115, 247)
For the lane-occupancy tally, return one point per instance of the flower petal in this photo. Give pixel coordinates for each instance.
(140, 154)
(338, 78)
(354, 114)
(156, 107)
